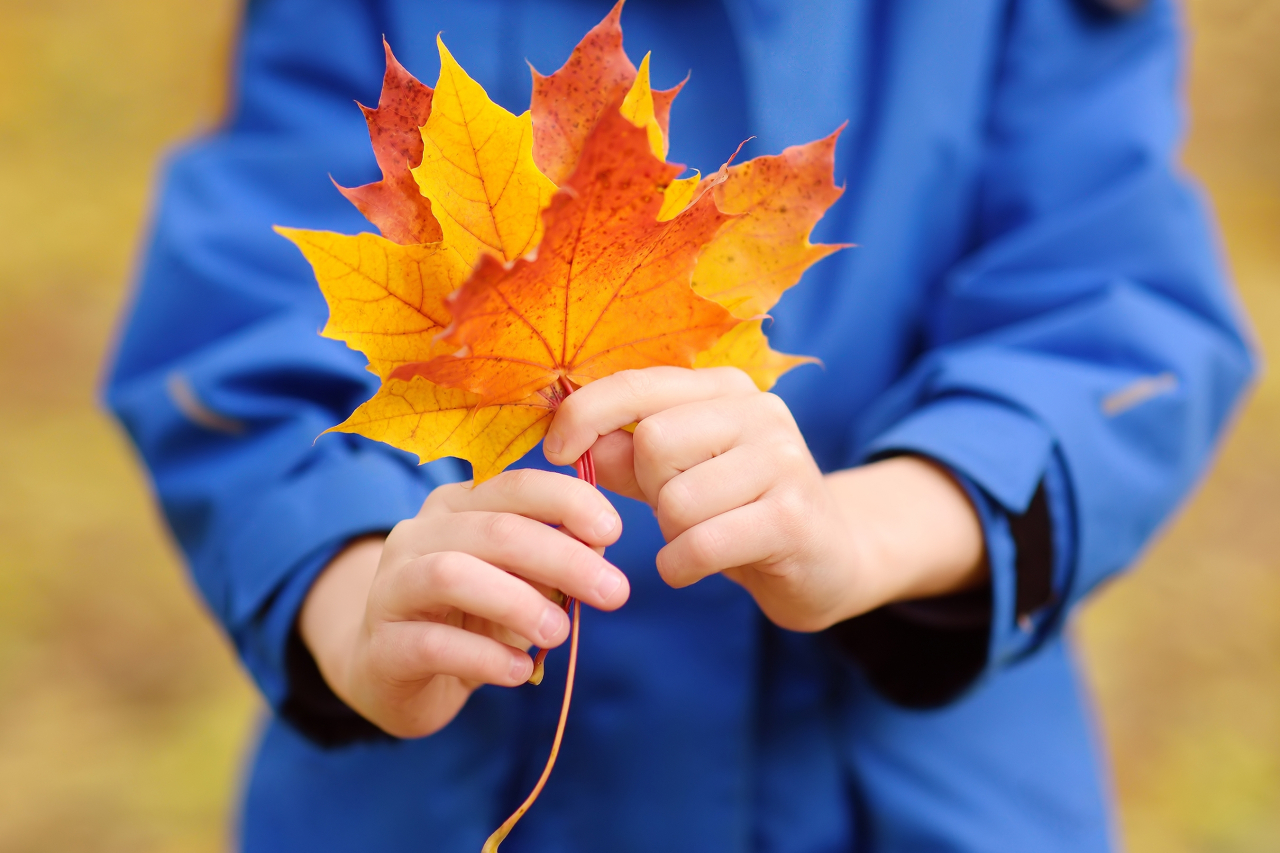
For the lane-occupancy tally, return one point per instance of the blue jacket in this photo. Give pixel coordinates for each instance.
(1035, 301)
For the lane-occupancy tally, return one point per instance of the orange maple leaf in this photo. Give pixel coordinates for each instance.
(609, 287)
(747, 279)
(394, 204)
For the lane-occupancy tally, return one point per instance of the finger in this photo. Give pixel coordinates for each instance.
(681, 437)
(745, 536)
(453, 579)
(613, 402)
(717, 486)
(614, 467)
(534, 551)
(544, 496)
(407, 652)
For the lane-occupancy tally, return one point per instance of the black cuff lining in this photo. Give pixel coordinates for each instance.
(1032, 534)
(924, 654)
(314, 709)
(917, 664)
(1116, 8)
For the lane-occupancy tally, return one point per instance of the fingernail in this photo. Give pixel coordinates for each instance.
(550, 623)
(605, 524)
(521, 668)
(608, 584)
(552, 443)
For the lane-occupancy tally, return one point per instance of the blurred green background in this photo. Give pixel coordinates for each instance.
(123, 716)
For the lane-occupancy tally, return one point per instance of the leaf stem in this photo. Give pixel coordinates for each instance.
(500, 834)
(586, 468)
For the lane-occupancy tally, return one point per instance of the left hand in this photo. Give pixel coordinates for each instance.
(732, 482)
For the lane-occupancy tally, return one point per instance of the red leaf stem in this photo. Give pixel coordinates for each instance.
(586, 468)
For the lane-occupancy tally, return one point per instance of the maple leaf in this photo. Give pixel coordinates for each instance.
(567, 104)
(781, 197)
(394, 204)
(746, 348)
(385, 299)
(608, 290)
(765, 249)
(433, 422)
(638, 108)
(478, 171)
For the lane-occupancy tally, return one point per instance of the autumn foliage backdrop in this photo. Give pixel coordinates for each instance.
(122, 715)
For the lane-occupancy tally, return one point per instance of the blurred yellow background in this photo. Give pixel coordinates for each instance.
(122, 713)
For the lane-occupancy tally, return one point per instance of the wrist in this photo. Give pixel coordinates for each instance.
(332, 615)
(910, 530)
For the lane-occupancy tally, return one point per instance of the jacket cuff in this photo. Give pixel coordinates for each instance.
(926, 653)
(304, 699)
(1002, 450)
(351, 489)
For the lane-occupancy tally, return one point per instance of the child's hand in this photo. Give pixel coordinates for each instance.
(737, 492)
(404, 631)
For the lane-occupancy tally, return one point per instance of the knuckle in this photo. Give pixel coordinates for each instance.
(706, 547)
(790, 456)
(432, 503)
(440, 651)
(676, 504)
(440, 499)
(774, 407)
(517, 482)
(388, 655)
(649, 438)
(636, 383)
(581, 499)
(401, 532)
(485, 662)
(666, 566)
(579, 563)
(435, 651)
(520, 614)
(500, 528)
(791, 511)
(441, 572)
(567, 413)
(737, 380)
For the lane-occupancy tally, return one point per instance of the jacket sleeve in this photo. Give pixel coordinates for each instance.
(1082, 361)
(220, 376)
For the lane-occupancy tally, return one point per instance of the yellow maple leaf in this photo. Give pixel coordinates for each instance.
(678, 195)
(746, 348)
(385, 299)
(637, 107)
(434, 422)
(478, 171)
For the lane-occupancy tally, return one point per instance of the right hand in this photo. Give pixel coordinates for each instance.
(404, 630)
